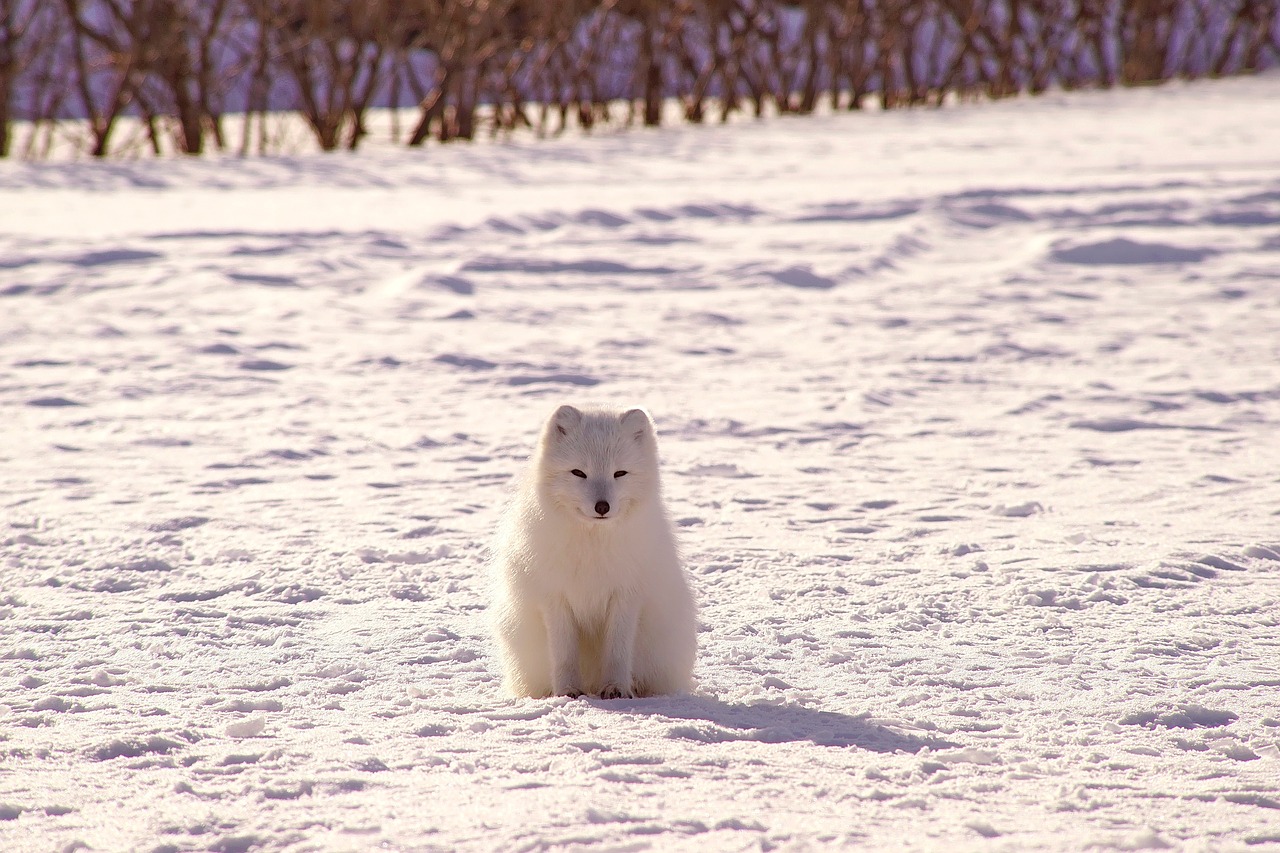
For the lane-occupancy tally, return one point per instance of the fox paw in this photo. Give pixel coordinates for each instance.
(613, 691)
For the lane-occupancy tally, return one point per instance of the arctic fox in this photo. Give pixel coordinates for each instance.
(590, 596)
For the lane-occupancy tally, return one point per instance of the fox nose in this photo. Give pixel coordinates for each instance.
(602, 507)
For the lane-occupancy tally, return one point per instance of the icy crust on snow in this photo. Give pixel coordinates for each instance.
(971, 435)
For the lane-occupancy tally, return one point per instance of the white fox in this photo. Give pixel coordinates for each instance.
(590, 596)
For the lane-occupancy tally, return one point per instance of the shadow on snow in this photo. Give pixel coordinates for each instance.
(713, 721)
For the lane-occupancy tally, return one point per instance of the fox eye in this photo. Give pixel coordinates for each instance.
(617, 474)
(575, 472)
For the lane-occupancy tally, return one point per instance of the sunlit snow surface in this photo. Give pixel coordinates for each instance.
(970, 421)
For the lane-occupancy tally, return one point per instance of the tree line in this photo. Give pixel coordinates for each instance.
(466, 67)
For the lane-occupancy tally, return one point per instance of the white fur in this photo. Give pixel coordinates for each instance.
(584, 602)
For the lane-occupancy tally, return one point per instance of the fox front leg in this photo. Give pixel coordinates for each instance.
(620, 649)
(562, 644)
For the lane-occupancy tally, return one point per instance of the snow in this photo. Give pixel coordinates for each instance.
(969, 424)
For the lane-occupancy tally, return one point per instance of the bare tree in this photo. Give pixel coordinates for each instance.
(656, 27)
(465, 38)
(333, 54)
(1250, 31)
(106, 67)
(42, 79)
(176, 41)
(575, 70)
(27, 34)
(1146, 31)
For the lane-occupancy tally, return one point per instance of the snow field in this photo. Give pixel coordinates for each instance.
(968, 418)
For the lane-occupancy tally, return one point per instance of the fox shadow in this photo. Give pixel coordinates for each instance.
(709, 720)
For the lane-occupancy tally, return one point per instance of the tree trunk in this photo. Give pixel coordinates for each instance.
(431, 108)
(6, 90)
(651, 62)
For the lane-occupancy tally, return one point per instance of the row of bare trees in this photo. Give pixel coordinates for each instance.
(180, 66)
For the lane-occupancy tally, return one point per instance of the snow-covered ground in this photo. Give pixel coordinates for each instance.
(970, 421)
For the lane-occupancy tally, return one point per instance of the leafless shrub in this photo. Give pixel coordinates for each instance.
(333, 56)
(470, 41)
(29, 32)
(176, 66)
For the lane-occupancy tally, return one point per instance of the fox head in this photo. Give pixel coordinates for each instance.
(597, 465)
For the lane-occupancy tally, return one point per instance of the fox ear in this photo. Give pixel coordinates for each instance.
(637, 419)
(565, 419)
